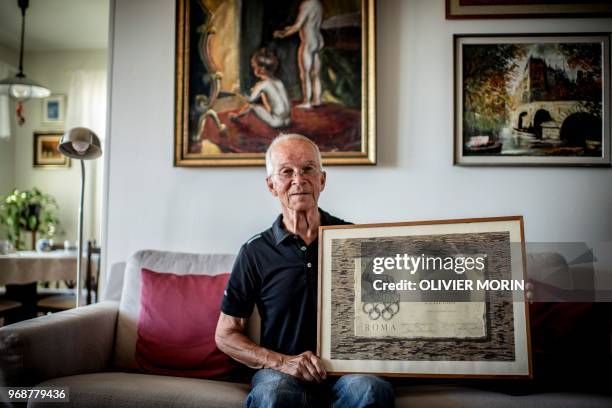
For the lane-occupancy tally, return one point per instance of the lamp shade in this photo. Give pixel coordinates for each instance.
(21, 88)
(80, 143)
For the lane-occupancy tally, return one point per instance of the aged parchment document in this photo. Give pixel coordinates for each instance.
(391, 317)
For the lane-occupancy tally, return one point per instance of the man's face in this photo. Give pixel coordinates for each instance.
(301, 191)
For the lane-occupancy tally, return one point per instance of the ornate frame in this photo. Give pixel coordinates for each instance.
(184, 158)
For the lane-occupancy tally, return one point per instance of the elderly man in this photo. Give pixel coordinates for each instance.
(277, 271)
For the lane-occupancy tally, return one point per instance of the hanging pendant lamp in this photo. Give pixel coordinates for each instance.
(21, 88)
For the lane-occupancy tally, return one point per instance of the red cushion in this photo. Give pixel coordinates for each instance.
(176, 329)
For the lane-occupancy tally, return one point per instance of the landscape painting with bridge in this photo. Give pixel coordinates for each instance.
(532, 100)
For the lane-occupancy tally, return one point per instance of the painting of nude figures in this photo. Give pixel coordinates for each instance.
(247, 71)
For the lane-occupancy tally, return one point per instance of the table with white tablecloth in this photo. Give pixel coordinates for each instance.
(33, 266)
(24, 269)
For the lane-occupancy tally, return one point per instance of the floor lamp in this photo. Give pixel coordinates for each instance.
(82, 144)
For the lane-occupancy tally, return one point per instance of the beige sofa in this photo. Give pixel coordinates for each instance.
(89, 350)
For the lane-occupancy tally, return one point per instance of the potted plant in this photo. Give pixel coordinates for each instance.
(30, 211)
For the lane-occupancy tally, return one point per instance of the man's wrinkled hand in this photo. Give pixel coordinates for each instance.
(306, 367)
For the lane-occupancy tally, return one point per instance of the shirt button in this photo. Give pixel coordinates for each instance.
(303, 248)
(309, 265)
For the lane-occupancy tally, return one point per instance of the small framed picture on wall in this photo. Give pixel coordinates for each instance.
(46, 154)
(54, 108)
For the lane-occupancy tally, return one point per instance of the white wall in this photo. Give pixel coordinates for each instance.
(151, 204)
(7, 164)
(7, 146)
(53, 69)
(9, 56)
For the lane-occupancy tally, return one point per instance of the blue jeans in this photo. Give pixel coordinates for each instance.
(271, 388)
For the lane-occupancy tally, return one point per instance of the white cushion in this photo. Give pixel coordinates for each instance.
(158, 261)
(114, 282)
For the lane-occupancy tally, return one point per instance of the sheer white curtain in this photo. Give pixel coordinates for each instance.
(86, 107)
(87, 101)
(6, 70)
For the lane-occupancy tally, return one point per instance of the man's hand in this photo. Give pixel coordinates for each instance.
(306, 367)
(231, 340)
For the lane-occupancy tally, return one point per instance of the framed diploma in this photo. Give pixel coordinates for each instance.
(424, 299)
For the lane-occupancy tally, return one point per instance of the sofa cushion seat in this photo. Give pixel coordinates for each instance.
(119, 389)
(451, 396)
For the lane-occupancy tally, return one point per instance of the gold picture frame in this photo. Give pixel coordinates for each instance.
(45, 153)
(483, 335)
(216, 81)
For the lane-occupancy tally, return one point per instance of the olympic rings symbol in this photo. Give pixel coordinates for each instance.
(378, 310)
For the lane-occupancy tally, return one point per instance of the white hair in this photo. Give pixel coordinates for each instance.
(290, 136)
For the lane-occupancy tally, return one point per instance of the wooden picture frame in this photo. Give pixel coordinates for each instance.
(54, 109)
(238, 81)
(483, 9)
(464, 337)
(532, 99)
(45, 153)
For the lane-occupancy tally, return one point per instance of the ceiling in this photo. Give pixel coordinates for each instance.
(54, 25)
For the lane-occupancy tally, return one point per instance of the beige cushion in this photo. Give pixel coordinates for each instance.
(451, 396)
(158, 261)
(125, 390)
(114, 282)
(113, 389)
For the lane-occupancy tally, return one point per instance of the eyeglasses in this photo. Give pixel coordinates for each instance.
(288, 173)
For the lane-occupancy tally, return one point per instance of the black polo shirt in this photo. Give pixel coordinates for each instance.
(277, 271)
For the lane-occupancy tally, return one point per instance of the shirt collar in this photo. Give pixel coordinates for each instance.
(280, 233)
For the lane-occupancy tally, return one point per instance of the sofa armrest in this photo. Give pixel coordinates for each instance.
(71, 342)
